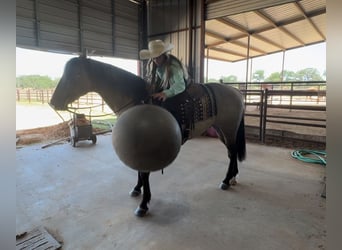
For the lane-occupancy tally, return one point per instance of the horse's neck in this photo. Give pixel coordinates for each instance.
(115, 99)
(118, 90)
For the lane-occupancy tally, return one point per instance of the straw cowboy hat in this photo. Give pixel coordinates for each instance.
(155, 49)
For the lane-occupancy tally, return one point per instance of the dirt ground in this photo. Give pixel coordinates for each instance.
(293, 136)
(39, 123)
(42, 134)
(52, 129)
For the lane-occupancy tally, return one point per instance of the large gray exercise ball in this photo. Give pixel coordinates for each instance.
(146, 138)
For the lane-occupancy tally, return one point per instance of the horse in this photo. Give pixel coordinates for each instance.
(314, 93)
(122, 90)
(268, 86)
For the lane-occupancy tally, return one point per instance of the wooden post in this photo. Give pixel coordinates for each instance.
(42, 96)
(18, 95)
(29, 95)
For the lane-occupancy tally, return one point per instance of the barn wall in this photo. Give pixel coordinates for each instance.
(120, 28)
(103, 27)
(180, 23)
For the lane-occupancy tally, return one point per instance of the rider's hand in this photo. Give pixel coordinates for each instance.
(159, 96)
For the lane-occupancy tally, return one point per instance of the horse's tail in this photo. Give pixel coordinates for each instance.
(241, 141)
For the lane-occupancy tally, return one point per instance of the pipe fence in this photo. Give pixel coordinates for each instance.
(295, 97)
(291, 96)
(43, 96)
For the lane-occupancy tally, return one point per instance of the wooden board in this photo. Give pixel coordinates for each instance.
(38, 239)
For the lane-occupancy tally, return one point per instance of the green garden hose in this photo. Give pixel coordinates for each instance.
(310, 156)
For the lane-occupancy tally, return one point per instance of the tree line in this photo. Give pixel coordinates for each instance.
(308, 74)
(36, 82)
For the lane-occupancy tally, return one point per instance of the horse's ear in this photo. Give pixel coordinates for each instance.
(84, 53)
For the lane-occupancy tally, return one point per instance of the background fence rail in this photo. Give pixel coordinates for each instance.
(44, 96)
(303, 102)
(294, 96)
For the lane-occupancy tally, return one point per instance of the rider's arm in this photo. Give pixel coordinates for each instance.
(177, 82)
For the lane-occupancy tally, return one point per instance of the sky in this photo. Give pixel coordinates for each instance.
(313, 56)
(32, 62)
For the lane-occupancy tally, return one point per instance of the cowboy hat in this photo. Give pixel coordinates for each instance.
(155, 49)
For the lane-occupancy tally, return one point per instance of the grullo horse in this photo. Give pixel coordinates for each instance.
(122, 90)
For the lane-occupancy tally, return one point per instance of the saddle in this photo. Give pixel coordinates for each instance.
(196, 103)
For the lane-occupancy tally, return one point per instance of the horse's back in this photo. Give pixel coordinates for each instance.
(230, 108)
(227, 97)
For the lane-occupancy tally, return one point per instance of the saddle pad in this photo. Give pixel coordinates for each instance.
(196, 103)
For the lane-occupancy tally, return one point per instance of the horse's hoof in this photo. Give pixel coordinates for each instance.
(233, 181)
(140, 212)
(134, 193)
(224, 186)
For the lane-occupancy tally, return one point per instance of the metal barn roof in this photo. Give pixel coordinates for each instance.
(265, 31)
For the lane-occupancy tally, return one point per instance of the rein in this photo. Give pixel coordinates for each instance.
(147, 100)
(123, 106)
(69, 109)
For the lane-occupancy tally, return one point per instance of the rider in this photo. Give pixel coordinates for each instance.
(166, 73)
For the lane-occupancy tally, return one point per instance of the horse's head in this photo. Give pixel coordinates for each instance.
(117, 87)
(73, 84)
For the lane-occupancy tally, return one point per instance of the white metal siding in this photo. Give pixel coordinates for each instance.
(222, 8)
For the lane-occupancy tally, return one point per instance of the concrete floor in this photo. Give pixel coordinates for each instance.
(80, 195)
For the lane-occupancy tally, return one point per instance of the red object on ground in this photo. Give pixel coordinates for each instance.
(211, 132)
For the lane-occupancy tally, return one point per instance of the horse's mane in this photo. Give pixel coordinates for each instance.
(124, 81)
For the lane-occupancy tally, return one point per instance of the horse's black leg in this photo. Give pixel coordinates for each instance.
(142, 209)
(136, 191)
(232, 169)
(232, 155)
